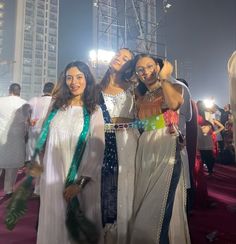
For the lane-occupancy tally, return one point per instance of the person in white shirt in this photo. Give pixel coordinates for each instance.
(38, 110)
(13, 117)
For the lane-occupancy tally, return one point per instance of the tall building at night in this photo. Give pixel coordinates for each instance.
(2, 4)
(6, 47)
(36, 44)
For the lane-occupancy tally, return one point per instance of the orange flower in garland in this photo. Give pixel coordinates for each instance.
(171, 117)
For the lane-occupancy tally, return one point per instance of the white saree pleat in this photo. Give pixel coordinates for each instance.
(126, 149)
(122, 105)
(178, 230)
(62, 139)
(154, 164)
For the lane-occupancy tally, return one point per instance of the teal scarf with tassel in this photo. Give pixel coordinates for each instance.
(18, 203)
(78, 226)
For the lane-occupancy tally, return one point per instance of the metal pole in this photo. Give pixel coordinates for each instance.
(176, 69)
(125, 41)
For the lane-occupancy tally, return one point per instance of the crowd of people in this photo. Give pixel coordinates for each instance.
(115, 161)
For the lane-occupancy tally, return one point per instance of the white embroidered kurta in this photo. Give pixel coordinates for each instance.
(63, 135)
(39, 108)
(122, 105)
(13, 117)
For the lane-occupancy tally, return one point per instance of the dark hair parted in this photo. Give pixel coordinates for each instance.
(63, 94)
(15, 89)
(141, 88)
(201, 111)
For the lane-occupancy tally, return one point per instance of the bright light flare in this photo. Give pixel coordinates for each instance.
(100, 55)
(209, 103)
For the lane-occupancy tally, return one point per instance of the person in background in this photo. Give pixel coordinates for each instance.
(219, 137)
(232, 88)
(224, 113)
(185, 115)
(13, 133)
(191, 145)
(38, 110)
(228, 156)
(206, 132)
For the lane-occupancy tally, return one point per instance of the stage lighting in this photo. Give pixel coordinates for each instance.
(101, 56)
(209, 103)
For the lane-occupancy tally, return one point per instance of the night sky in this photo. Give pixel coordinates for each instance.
(75, 31)
(199, 34)
(202, 33)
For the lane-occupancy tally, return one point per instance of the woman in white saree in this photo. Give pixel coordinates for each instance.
(118, 170)
(158, 162)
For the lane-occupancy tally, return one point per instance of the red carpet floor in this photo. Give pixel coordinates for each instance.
(218, 221)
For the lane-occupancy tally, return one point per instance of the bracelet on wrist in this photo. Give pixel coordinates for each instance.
(82, 181)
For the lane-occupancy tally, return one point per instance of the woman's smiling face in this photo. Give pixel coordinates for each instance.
(147, 70)
(75, 81)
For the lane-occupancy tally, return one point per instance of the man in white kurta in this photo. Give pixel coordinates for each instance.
(38, 110)
(13, 118)
(232, 89)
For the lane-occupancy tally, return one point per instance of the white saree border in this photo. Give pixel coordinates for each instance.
(172, 161)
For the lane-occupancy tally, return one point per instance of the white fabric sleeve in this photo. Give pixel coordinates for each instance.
(186, 107)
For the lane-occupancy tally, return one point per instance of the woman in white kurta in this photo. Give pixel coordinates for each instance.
(158, 161)
(13, 120)
(75, 93)
(118, 171)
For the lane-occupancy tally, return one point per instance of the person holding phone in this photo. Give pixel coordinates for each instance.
(158, 161)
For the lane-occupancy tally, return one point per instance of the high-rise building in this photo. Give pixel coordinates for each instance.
(36, 44)
(6, 56)
(1, 25)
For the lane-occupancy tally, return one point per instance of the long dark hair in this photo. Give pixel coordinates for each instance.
(63, 94)
(141, 88)
(201, 111)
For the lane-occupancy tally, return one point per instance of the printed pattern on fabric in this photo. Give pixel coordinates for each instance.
(109, 182)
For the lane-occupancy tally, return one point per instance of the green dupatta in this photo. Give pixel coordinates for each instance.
(75, 218)
(17, 206)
